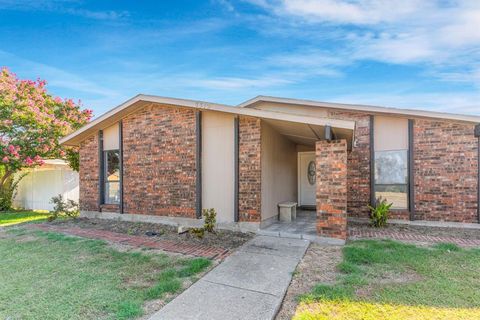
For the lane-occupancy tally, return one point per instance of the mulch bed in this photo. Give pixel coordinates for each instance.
(150, 235)
(415, 234)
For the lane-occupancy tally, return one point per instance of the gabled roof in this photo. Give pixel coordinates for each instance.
(247, 108)
(358, 107)
(141, 100)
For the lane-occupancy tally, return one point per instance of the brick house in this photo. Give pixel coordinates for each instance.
(163, 159)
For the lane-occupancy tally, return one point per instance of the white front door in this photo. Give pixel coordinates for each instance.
(306, 179)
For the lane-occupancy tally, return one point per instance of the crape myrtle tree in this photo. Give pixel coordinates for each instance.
(31, 124)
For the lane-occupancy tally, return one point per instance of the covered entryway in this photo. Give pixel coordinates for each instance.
(296, 167)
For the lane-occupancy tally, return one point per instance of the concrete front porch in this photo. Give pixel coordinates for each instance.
(303, 227)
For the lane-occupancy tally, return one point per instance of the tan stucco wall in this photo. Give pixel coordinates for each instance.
(302, 148)
(111, 137)
(218, 164)
(390, 133)
(279, 171)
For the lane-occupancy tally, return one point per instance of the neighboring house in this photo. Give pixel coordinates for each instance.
(164, 159)
(37, 188)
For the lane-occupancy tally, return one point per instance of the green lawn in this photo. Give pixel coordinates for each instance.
(391, 280)
(52, 276)
(16, 217)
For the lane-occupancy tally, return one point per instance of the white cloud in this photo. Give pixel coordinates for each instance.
(435, 34)
(71, 7)
(349, 12)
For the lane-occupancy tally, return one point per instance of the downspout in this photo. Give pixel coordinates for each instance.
(411, 172)
(198, 155)
(236, 152)
(477, 134)
(372, 162)
(101, 178)
(120, 147)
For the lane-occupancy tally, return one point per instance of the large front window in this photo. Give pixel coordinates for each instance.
(391, 177)
(391, 160)
(112, 176)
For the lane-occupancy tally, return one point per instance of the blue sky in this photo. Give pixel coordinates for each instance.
(411, 53)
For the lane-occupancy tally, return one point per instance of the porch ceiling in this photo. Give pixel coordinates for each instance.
(308, 134)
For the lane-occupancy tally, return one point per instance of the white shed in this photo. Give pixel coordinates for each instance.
(38, 187)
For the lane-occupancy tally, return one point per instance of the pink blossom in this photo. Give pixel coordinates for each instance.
(28, 161)
(5, 159)
(62, 153)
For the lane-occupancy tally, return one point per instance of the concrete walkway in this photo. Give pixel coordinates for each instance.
(249, 284)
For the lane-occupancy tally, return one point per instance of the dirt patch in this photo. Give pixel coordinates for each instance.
(222, 238)
(317, 266)
(459, 233)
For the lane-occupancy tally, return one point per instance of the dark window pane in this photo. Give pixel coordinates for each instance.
(396, 194)
(391, 167)
(112, 165)
(112, 192)
(112, 177)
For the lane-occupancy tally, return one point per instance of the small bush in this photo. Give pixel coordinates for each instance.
(61, 206)
(210, 216)
(210, 219)
(379, 213)
(198, 232)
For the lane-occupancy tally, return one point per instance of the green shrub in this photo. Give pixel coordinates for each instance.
(210, 219)
(379, 213)
(61, 206)
(198, 232)
(210, 216)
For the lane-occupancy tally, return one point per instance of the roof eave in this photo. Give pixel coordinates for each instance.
(127, 107)
(362, 108)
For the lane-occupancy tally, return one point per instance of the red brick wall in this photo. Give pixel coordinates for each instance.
(249, 161)
(358, 170)
(88, 174)
(159, 161)
(331, 160)
(445, 155)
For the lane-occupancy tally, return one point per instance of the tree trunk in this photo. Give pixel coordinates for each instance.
(7, 174)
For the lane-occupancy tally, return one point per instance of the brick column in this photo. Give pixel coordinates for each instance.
(250, 170)
(88, 174)
(331, 162)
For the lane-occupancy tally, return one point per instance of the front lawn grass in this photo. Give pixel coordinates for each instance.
(15, 217)
(45, 275)
(392, 280)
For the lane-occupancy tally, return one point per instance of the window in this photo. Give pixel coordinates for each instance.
(111, 164)
(112, 176)
(391, 177)
(391, 160)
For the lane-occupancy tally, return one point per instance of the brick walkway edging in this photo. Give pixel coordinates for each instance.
(410, 237)
(197, 250)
